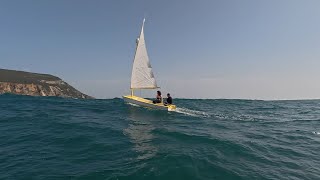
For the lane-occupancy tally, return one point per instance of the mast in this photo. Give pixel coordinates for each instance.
(135, 52)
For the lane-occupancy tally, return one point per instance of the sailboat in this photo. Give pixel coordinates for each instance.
(142, 77)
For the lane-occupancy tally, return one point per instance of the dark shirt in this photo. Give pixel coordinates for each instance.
(169, 100)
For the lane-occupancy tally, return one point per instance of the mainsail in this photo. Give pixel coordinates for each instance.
(142, 76)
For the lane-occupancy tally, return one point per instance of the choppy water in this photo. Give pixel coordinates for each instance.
(54, 138)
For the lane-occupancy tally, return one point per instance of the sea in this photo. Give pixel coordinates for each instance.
(56, 138)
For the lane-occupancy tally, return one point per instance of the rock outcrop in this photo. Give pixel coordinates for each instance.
(34, 84)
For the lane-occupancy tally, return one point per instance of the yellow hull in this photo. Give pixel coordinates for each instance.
(147, 103)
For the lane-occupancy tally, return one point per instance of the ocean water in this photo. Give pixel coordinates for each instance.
(55, 138)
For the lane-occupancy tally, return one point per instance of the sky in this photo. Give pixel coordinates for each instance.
(248, 49)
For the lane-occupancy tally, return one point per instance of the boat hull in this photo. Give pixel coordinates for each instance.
(147, 103)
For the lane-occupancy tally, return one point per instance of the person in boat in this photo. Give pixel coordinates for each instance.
(158, 98)
(169, 99)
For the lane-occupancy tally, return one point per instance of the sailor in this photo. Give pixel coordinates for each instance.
(169, 99)
(158, 98)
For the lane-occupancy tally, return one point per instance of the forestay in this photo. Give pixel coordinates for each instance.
(142, 76)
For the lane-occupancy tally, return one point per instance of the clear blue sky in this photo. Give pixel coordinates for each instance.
(199, 49)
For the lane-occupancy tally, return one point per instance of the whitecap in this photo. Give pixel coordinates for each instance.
(132, 104)
(191, 112)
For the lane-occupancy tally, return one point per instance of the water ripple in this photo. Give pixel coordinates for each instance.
(56, 138)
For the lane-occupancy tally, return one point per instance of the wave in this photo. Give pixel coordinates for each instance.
(191, 112)
(132, 104)
(202, 139)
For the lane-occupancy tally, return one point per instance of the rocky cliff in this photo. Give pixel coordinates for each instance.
(34, 84)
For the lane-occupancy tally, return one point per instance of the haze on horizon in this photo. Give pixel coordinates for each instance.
(198, 49)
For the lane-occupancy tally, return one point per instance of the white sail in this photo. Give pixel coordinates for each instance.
(142, 76)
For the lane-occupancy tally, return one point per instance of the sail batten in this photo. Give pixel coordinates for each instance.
(142, 75)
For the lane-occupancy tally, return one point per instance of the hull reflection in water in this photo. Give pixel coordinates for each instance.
(139, 131)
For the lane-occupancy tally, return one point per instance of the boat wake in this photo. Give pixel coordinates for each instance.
(184, 111)
(191, 112)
